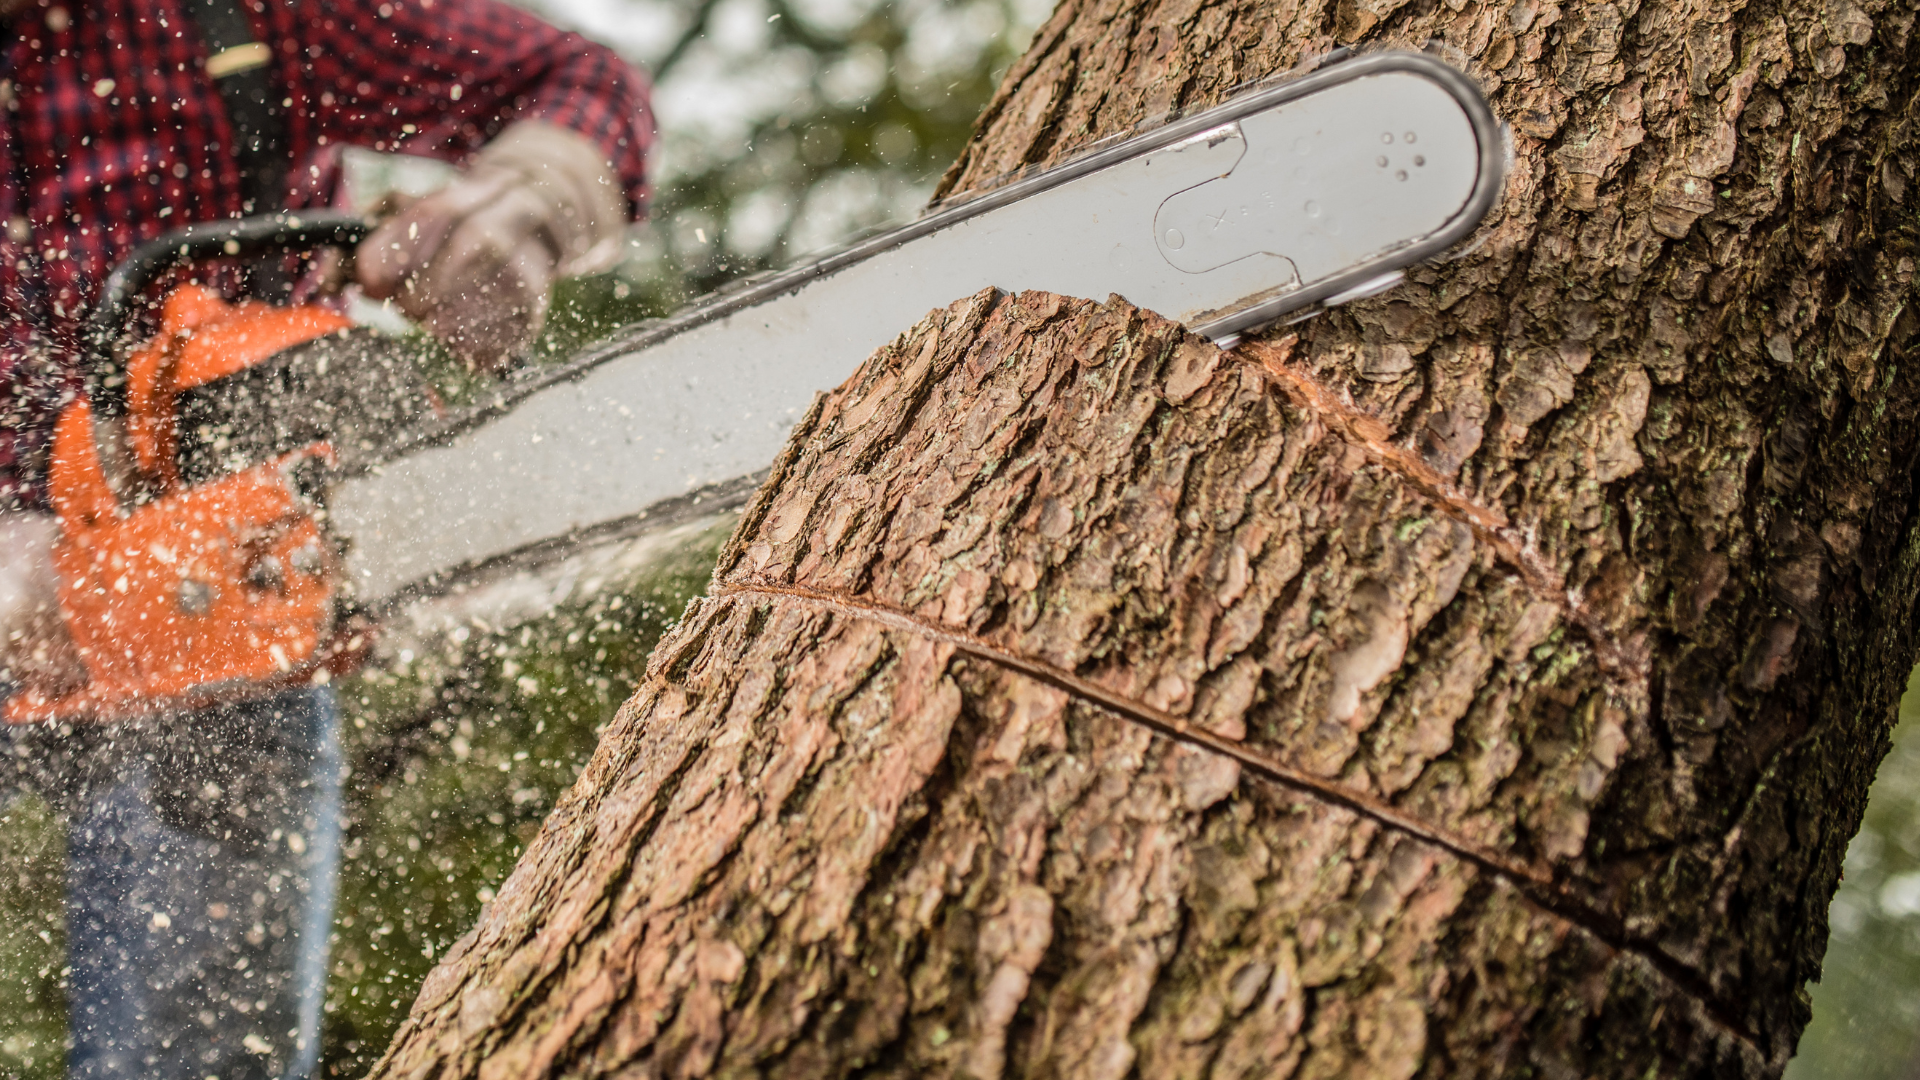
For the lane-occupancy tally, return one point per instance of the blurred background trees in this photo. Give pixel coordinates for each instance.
(788, 126)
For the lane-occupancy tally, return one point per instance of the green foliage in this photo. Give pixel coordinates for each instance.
(1866, 1006)
(32, 941)
(866, 131)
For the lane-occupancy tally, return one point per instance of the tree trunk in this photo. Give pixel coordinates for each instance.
(1486, 683)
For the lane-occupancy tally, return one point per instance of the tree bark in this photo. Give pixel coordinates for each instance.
(1485, 682)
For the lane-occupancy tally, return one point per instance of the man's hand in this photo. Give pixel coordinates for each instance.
(36, 653)
(474, 261)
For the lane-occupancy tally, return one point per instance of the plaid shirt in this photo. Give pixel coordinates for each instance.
(112, 133)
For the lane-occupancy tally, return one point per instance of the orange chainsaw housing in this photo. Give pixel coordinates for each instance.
(199, 593)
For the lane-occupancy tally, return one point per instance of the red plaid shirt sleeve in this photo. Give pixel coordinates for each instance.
(112, 134)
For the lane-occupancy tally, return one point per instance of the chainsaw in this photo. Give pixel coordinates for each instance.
(225, 486)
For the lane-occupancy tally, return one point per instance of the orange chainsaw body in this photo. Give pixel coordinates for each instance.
(201, 592)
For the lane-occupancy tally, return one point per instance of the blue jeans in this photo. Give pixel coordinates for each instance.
(200, 885)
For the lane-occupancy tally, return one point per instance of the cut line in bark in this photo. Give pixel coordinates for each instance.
(1536, 886)
(1367, 431)
(1490, 526)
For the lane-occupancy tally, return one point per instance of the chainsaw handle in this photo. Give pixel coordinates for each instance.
(105, 374)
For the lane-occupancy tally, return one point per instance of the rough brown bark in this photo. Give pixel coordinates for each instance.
(1486, 683)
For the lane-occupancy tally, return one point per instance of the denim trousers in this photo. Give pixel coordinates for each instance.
(201, 871)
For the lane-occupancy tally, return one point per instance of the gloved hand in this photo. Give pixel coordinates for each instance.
(35, 651)
(474, 261)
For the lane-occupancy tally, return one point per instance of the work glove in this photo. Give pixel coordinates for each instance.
(475, 260)
(36, 652)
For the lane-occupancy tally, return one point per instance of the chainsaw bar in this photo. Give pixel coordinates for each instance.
(1284, 199)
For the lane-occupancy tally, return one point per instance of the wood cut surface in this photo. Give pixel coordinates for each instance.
(1485, 682)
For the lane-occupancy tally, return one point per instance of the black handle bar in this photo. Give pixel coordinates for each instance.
(106, 382)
